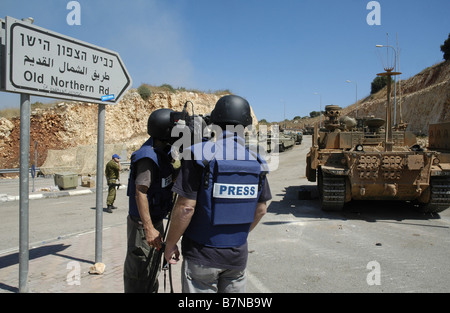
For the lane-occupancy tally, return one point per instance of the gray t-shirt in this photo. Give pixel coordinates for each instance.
(144, 172)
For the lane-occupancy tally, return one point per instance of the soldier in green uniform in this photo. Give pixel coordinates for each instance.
(112, 171)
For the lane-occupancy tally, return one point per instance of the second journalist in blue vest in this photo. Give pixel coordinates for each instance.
(150, 199)
(220, 200)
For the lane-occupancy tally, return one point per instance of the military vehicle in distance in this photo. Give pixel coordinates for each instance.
(267, 141)
(373, 163)
(285, 141)
(309, 130)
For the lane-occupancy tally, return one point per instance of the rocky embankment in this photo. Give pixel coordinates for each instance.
(422, 100)
(71, 128)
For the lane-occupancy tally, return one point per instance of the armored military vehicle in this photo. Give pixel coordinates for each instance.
(309, 130)
(266, 141)
(285, 141)
(378, 163)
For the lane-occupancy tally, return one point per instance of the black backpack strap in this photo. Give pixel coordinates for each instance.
(262, 177)
(207, 173)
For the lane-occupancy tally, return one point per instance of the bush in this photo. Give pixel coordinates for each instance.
(445, 48)
(144, 91)
(378, 83)
(9, 113)
(167, 87)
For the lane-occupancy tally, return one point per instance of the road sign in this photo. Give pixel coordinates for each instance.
(36, 61)
(44, 63)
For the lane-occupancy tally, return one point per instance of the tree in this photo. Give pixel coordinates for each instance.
(445, 48)
(144, 91)
(378, 83)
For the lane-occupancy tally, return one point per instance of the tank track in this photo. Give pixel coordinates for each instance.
(332, 193)
(440, 195)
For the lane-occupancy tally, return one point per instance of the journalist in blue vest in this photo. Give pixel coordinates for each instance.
(221, 198)
(150, 199)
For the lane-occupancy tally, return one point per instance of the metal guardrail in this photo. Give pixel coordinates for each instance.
(13, 170)
(17, 170)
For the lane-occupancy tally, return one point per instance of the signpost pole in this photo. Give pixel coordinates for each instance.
(25, 108)
(44, 63)
(34, 167)
(99, 185)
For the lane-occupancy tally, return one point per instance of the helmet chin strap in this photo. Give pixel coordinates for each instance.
(162, 147)
(161, 144)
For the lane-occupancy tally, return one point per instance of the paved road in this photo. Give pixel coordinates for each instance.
(369, 247)
(53, 218)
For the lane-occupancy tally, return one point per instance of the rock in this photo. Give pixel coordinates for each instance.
(97, 268)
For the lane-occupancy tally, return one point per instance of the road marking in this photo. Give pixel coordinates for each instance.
(257, 283)
(41, 243)
(79, 192)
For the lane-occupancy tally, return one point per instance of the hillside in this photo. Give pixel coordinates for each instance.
(424, 100)
(67, 133)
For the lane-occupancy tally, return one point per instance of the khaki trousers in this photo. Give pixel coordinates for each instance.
(137, 266)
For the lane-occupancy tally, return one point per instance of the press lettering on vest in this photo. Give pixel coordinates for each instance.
(235, 191)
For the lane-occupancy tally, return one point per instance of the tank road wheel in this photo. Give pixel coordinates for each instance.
(332, 192)
(440, 196)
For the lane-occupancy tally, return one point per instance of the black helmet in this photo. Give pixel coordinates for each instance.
(231, 110)
(159, 125)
